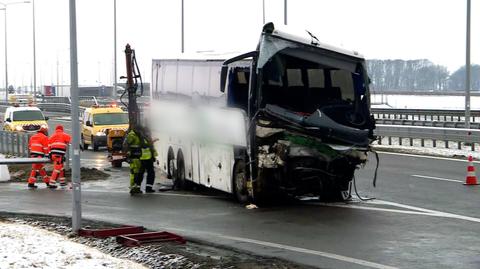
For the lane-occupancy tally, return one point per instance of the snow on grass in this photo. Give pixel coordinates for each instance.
(24, 246)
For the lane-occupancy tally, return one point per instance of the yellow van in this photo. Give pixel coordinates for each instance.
(98, 121)
(24, 119)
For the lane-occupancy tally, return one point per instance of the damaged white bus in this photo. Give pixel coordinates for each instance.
(292, 117)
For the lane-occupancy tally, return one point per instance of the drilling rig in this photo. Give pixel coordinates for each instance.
(133, 90)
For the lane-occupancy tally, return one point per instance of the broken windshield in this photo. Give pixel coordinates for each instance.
(305, 86)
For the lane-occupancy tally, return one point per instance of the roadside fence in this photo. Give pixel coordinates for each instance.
(16, 144)
(469, 137)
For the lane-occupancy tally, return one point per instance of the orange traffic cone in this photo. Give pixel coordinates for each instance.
(471, 177)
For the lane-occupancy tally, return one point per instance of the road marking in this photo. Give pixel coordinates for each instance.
(419, 210)
(383, 202)
(438, 178)
(424, 156)
(439, 213)
(310, 251)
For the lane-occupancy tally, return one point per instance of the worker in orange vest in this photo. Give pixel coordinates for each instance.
(58, 144)
(38, 146)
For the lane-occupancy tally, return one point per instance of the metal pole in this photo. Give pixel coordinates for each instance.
(285, 12)
(183, 33)
(467, 70)
(263, 11)
(114, 48)
(6, 58)
(76, 200)
(34, 55)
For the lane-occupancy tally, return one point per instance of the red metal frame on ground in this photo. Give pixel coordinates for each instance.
(102, 233)
(131, 240)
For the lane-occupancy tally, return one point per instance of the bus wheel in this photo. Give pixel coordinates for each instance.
(179, 181)
(240, 181)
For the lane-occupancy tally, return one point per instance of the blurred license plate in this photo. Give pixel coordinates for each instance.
(117, 157)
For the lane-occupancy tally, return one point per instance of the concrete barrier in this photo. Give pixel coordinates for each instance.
(4, 174)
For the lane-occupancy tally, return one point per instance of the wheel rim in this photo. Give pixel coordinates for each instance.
(171, 169)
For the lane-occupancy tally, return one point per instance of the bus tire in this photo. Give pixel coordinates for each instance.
(179, 181)
(239, 181)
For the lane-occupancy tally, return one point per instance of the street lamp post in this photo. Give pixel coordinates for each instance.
(183, 28)
(263, 12)
(76, 197)
(467, 70)
(6, 54)
(285, 12)
(34, 54)
(6, 57)
(114, 48)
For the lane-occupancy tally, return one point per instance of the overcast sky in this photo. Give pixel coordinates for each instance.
(380, 29)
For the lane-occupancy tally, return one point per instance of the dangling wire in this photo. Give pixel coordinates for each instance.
(356, 192)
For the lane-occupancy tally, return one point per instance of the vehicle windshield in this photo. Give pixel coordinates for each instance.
(110, 119)
(27, 115)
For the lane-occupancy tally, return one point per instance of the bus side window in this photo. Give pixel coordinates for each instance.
(237, 95)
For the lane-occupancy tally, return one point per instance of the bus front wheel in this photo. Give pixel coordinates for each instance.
(240, 181)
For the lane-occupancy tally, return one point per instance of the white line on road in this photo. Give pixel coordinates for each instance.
(438, 178)
(420, 211)
(312, 252)
(424, 156)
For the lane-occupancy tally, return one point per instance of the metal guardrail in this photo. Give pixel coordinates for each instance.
(442, 124)
(423, 114)
(54, 99)
(14, 143)
(467, 136)
(24, 160)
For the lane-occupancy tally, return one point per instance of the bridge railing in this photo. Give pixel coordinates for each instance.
(424, 114)
(469, 137)
(14, 143)
(427, 123)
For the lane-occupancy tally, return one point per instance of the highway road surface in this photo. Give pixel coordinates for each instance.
(422, 217)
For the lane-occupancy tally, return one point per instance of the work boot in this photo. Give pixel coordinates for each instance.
(149, 190)
(135, 190)
(63, 184)
(52, 186)
(32, 186)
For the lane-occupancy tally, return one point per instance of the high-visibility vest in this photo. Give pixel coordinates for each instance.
(58, 142)
(137, 149)
(38, 145)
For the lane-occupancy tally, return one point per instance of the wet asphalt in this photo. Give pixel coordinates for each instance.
(421, 217)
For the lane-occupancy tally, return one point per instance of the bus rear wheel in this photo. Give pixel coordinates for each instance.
(240, 189)
(179, 180)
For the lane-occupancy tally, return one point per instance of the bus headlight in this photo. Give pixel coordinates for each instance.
(19, 128)
(100, 134)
